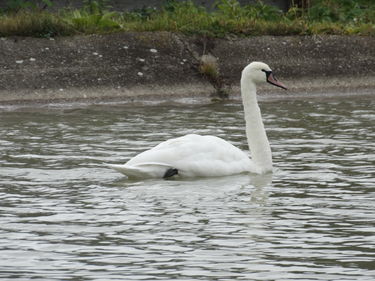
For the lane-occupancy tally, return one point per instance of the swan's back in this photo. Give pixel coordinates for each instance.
(192, 156)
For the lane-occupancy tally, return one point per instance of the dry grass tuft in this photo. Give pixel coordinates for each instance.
(36, 24)
(209, 67)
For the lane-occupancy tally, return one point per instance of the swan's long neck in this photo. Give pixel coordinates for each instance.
(256, 135)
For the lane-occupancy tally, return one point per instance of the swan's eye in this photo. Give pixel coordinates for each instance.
(268, 72)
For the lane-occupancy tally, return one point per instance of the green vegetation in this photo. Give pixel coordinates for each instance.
(32, 18)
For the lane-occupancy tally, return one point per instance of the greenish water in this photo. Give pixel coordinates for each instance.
(65, 216)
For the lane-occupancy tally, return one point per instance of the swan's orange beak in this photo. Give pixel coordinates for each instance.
(272, 80)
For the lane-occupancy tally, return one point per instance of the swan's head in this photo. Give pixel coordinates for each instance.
(259, 72)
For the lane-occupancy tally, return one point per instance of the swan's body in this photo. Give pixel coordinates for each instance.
(193, 155)
(205, 156)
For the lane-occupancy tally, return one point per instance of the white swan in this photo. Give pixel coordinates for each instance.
(207, 156)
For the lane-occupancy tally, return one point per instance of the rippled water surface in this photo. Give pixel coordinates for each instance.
(65, 216)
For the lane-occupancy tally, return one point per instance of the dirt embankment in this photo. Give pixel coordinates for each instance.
(127, 66)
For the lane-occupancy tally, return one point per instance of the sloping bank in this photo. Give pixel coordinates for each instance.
(162, 65)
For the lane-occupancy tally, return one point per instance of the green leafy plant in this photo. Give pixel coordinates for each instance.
(93, 18)
(263, 12)
(343, 11)
(230, 9)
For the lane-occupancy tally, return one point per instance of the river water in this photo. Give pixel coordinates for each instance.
(65, 216)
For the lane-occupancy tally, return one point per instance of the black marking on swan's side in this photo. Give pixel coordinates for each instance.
(170, 173)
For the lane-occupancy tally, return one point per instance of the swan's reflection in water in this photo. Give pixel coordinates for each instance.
(252, 185)
(260, 192)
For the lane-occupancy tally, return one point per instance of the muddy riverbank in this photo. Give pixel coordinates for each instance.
(163, 65)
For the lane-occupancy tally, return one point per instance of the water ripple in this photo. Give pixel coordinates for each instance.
(64, 215)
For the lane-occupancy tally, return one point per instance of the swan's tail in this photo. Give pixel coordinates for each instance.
(130, 172)
(142, 171)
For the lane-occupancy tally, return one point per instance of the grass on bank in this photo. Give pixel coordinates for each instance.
(229, 17)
